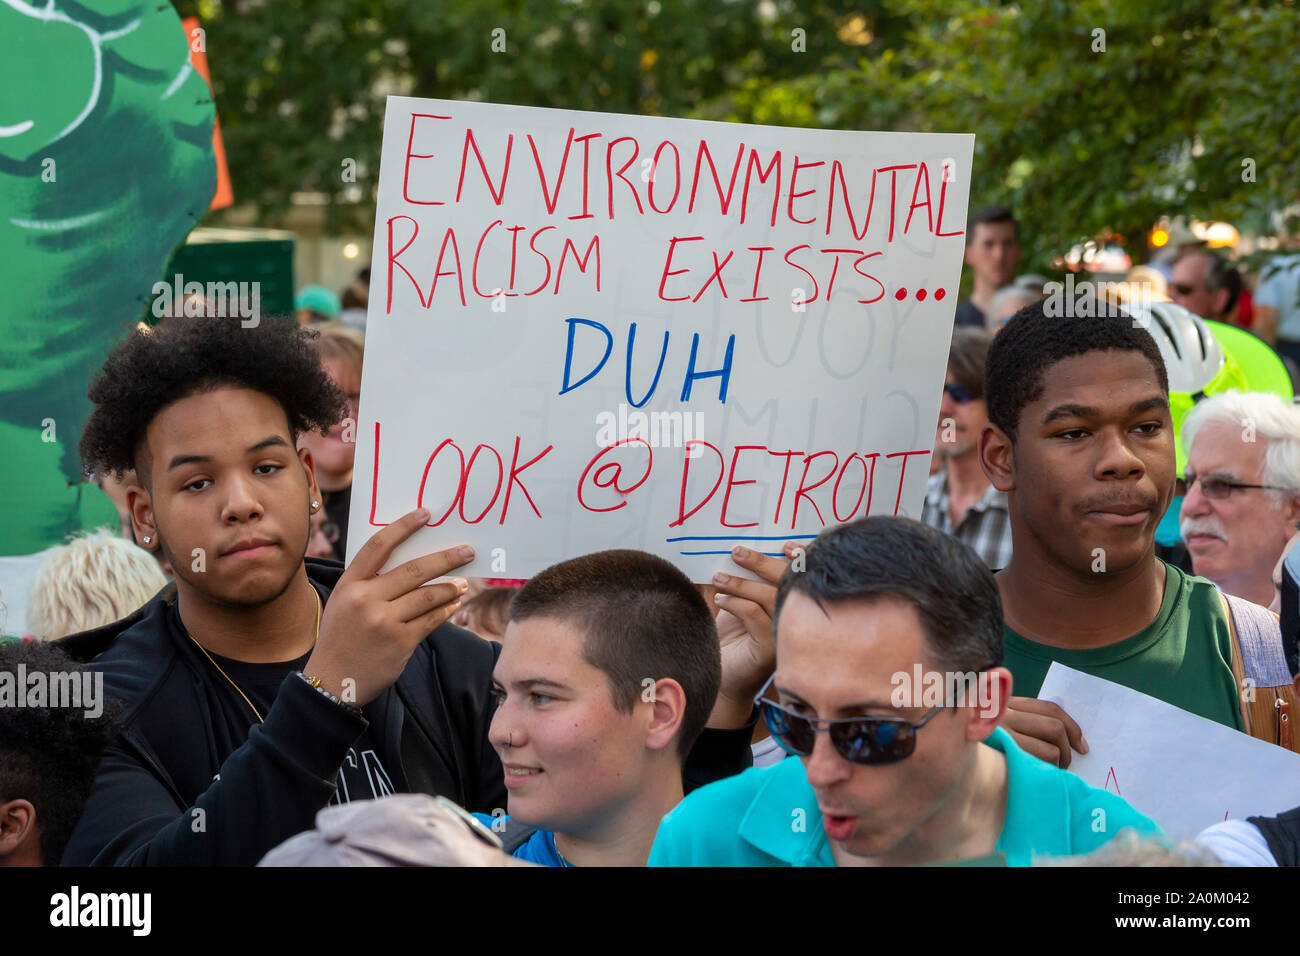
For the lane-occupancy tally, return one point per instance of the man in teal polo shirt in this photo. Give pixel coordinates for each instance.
(890, 641)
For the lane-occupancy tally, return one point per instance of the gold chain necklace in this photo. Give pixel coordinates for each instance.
(256, 712)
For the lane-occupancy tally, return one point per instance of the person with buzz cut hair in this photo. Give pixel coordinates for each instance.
(262, 686)
(609, 671)
(1081, 441)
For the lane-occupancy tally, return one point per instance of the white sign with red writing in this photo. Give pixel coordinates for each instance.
(1180, 769)
(590, 331)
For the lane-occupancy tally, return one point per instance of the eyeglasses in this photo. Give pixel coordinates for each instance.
(1217, 488)
(868, 741)
(961, 394)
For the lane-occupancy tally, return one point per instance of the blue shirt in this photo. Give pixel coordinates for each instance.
(538, 848)
(769, 817)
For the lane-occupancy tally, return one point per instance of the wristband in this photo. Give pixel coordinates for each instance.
(314, 683)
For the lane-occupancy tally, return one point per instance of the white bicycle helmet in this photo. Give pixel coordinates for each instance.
(1193, 356)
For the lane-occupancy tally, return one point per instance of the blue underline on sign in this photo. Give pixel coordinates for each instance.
(770, 554)
(740, 537)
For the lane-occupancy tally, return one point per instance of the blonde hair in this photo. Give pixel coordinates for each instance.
(342, 343)
(95, 579)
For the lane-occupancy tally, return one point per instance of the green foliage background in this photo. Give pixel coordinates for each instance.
(1080, 141)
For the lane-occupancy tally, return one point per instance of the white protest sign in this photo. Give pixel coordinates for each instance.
(590, 331)
(1184, 771)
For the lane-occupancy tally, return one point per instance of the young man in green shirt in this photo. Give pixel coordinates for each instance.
(1080, 439)
(889, 639)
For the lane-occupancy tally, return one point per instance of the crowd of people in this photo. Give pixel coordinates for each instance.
(263, 703)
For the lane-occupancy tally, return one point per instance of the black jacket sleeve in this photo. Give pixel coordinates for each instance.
(465, 663)
(492, 781)
(718, 754)
(269, 789)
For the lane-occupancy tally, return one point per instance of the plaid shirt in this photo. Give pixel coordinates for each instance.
(985, 528)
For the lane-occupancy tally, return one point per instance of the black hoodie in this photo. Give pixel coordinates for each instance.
(195, 780)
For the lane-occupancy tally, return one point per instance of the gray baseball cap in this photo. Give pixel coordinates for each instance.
(405, 829)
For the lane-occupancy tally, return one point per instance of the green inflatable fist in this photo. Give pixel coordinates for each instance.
(106, 163)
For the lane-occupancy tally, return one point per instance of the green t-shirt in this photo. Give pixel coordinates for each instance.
(1183, 657)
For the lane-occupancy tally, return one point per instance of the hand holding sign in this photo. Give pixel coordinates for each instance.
(748, 647)
(1043, 729)
(374, 622)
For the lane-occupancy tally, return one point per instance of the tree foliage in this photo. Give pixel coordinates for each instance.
(1084, 132)
(300, 84)
(1091, 117)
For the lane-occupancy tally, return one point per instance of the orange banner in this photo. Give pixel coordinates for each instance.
(199, 59)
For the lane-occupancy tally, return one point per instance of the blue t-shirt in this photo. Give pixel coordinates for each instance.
(538, 848)
(1279, 288)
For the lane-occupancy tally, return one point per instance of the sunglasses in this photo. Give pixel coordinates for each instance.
(961, 394)
(868, 741)
(1217, 488)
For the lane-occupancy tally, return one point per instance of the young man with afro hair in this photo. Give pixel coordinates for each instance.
(261, 686)
(1080, 439)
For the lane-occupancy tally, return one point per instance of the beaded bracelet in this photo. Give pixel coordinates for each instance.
(314, 683)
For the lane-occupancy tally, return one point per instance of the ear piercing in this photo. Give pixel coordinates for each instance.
(147, 539)
(315, 505)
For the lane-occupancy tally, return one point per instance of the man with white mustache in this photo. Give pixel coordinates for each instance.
(1242, 486)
